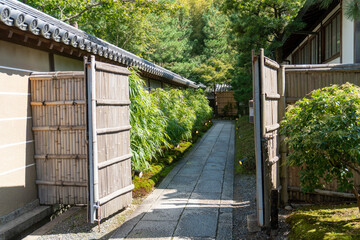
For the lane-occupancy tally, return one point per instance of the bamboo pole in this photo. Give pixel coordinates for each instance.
(283, 148)
(325, 192)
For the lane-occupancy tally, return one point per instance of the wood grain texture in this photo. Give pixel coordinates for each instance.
(60, 133)
(113, 139)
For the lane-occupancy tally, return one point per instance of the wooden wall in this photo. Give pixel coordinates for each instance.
(226, 101)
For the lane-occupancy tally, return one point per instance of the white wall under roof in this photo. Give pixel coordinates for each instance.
(67, 64)
(347, 37)
(17, 56)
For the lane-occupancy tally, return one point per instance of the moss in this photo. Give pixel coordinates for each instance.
(325, 222)
(245, 146)
(166, 171)
(142, 186)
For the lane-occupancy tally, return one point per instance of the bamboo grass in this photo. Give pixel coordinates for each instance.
(162, 118)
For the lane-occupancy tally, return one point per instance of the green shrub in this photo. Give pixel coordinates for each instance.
(148, 123)
(198, 102)
(323, 134)
(161, 118)
(245, 146)
(180, 117)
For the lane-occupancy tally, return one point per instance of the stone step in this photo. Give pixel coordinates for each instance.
(23, 222)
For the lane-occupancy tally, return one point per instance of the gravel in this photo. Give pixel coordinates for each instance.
(77, 227)
(245, 204)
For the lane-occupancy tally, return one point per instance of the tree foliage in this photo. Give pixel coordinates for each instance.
(184, 36)
(323, 134)
(257, 24)
(217, 54)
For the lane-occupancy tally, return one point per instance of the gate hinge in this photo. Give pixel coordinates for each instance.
(98, 219)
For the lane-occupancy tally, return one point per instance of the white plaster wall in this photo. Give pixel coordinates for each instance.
(17, 56)
(67, 64)
(335, 61)
(17, 164)
(347, 38)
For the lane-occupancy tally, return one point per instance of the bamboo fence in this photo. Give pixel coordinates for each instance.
(226, 103)
(61, 129)
(113, 138)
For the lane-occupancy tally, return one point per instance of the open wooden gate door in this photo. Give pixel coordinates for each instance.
(266, 74)
(109, 153)
(82, 137)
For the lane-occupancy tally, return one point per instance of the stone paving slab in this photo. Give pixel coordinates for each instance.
(153, 230)
(198, 223)
(195, 199)
(209, 186)
(163, 214)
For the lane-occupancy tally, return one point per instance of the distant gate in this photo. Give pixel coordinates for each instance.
(266, 105)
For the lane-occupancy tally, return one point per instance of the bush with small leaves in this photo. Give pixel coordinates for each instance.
(323, 135)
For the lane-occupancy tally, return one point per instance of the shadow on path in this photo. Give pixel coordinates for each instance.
(195, 200)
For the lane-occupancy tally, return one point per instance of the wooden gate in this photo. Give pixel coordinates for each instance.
(110, 181)
(266, 104)
(58, 103)
(82, 137)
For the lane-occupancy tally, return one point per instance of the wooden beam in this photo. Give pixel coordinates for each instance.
(58, 103)
(60, 156)
(113, 161)
(62, 183)
(59, 128)
(116, 194)
(51, 62)
(113, 130)
(113, 102)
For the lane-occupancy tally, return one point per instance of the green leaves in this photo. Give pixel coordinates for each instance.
(162, 118)
(258, 24)
(323, 135)
(147, 134)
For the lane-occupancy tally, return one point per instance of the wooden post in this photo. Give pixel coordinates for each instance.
(274, 209)
(284, 196)
(215, 100)
(265, 169)
(258, 144)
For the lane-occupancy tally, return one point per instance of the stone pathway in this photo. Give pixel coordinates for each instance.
(195, 200)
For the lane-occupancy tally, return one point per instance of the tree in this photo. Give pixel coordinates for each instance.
(171, 48)
(258, 24)
(323, 135)
(216, 55)
(124, 23)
